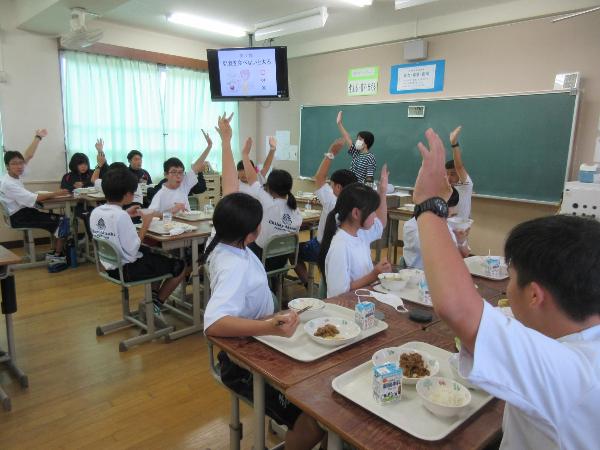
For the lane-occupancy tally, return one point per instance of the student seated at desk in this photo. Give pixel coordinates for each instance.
(80, 176)
(20, 203)
(243, 305)
(112, 223)
(280, 210)
(363, 161)
(357, 220)
(327, 193)
(198, 188)
(412, 243)
(260, 174)
(545, 363)
(134, 157)
(173, 196)
(458, 176)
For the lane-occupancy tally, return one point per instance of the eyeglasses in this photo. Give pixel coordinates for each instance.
(178, 173)
(16, 163)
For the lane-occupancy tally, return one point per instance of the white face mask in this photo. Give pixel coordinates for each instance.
(359, 144)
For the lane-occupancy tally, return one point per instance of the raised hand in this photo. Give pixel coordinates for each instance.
(208, 139)
(454, 135)
(432, 180)
(383, 179)
(99, 145)
(339, 118)
(336, 146)
(247, 146)
(224, 127)
(272, 142)
(42, 132)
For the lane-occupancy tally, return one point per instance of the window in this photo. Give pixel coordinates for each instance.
(137, 105)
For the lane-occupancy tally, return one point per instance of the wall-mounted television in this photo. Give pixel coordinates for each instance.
(250, 73)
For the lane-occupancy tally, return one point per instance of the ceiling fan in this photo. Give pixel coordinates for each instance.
(79, 37)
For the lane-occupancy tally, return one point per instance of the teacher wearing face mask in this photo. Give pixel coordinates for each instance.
(363, 161)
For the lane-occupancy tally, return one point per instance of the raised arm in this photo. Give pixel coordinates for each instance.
(457, 155)
(248, 167)
(229, 173)
(30, 151)
(383, 184)
(199, 164)
(267, 165)
(343, 132)
(323, 170)
(100, 159)
(452, 291)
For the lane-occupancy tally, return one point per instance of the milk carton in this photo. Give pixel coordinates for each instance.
(424, 290)
(492, 266)
(387, 383)
(364, 315)
(589, 173)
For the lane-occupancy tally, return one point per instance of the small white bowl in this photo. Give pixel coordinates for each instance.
(431, 363)
(316, 306)
(443, 397)
(412, 276)
(393, 281)
(453, 361)
(348, 330)
(460, 223)
(386, 355)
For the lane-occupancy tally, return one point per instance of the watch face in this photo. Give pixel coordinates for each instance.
(436, 205)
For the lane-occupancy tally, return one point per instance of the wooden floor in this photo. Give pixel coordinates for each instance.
(83, 393)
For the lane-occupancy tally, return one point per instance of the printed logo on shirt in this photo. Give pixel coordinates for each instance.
(286, 228)
(287, 219)
(101, 225)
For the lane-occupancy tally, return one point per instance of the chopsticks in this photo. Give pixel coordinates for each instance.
(306, 308)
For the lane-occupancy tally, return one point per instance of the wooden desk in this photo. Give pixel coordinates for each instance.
(9, 358)
(351, 423)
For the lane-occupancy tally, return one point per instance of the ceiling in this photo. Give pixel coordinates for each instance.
(347, 27)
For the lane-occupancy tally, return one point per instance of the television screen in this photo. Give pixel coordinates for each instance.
(251, 73)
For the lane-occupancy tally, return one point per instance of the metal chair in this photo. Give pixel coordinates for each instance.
(28, 243)
(280, 246)
(106, 251)
(194, 203)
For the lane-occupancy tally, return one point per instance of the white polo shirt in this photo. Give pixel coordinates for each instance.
(412, 244)
(465, 192)
(278, 218)
(14, 195)
(112, 223)
(166, 198)
(239, 285)
(551, 387)
(349, 258)
(328, 200)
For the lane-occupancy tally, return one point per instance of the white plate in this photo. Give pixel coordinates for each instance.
(408, 413)
(348, 330)
(193, 215)
(302, 348)
(158, 227)
(476, 265)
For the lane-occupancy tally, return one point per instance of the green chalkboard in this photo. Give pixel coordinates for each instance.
(514, 146)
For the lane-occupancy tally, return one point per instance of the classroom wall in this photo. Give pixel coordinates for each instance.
(509, 58)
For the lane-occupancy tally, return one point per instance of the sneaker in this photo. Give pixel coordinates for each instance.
(50, 255)
(157, 309)
(57, 264)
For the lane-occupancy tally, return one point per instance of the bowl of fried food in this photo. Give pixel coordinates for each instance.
(416, 365)
(332, 331)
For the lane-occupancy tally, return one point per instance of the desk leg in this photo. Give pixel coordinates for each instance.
(334, 442)
(258, 386)
(12, 364)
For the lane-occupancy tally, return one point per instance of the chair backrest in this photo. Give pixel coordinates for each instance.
(106, 251)
(5, 215)
(194, 203)
(282, 245)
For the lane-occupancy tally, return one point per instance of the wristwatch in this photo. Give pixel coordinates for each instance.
(329, 155)
(436, 205)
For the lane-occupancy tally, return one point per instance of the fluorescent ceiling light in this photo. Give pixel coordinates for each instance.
(360, 3)
(294, 23)
(202, 23)
(401, 4)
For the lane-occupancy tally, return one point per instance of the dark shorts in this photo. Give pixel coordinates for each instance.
(309, 250)
(150, 265)
(33, 218)
(239, 380)
(272, 263)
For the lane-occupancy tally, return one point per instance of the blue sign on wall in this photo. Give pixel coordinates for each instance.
(426, 76)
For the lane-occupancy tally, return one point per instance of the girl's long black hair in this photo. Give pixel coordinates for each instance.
(355, 195)
(235, 217)
(280, 182)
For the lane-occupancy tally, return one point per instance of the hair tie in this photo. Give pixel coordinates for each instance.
(337, 219)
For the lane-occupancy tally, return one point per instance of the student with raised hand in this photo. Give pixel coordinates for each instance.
(241, 303)
(20, 203)
(173, 196)
(260, 174)
(79, 175)
(327, 193)
(458, 176)
(101, 165)
(359, 217)
(545, 363)
(280, 211)
(363, 161)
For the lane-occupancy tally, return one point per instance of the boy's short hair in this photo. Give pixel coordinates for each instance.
(240, 165)
(172, 162)
(450, 165)
(562, 254)
(343, 177)
(367, 137)
(454, 198)
(118, 182)
(10, 155)
(133, 153)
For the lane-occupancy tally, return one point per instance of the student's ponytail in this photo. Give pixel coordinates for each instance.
(291, 201)
(207, 251)
(355, 195)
